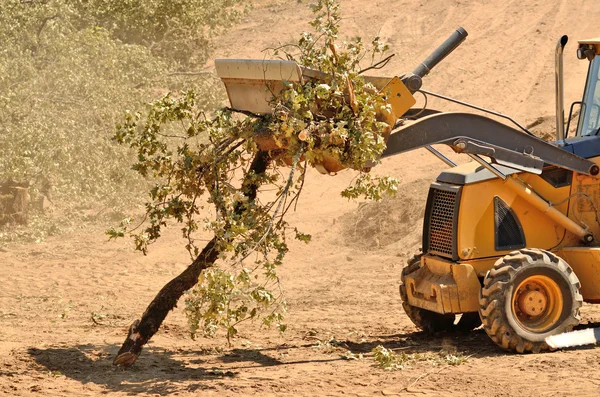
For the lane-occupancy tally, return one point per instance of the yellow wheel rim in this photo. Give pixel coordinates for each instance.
(537, 303)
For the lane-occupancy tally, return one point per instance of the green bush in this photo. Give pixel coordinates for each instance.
(69, 68)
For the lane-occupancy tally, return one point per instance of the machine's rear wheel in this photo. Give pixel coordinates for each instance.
(528, 295)
(429, 321)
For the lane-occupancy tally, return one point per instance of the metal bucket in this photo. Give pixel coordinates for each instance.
(251, 85)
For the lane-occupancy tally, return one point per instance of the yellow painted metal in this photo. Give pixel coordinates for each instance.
(398, 97)
(554, 227)
(475, 232)
(467, 285)
(537, 303)
(552, 218)
(585, 201)
(443, 286)
(481, 266)
(585, 262)
(542, 205)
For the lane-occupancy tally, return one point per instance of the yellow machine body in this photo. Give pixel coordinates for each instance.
(511, 241)
(451, 285)
(398, 97)
(443, 286)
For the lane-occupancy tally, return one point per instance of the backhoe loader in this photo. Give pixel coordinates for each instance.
(510, 239)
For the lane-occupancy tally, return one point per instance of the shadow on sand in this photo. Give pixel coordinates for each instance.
(162, 372)
(157, 371)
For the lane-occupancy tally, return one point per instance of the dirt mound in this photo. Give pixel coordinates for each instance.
(379, 224)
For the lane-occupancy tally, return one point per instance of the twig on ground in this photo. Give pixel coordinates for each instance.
(420, 377)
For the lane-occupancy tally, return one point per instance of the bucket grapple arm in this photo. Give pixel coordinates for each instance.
(479, 135)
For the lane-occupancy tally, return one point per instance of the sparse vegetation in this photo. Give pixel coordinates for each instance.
(69, 67)
(389, 360)
(330, 346)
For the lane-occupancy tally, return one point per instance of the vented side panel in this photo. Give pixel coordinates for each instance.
(508, 230)
(441, 217)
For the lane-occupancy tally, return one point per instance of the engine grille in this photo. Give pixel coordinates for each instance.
(441, 218)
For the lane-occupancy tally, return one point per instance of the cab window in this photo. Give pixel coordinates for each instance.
(589, 118)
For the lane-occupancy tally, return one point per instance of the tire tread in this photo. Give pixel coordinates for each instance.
(492, 299)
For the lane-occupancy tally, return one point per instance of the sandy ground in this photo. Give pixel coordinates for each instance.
(65, 304)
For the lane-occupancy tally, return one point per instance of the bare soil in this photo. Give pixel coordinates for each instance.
(66, 303)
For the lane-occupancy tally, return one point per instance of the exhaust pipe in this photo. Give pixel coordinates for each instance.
(455, 39)
(560, 94)
(414, 80)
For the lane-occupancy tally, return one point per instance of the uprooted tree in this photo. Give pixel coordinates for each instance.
(213, 174)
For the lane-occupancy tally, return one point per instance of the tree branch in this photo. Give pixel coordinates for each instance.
(245, 112)
(378, 65)
(142, 330)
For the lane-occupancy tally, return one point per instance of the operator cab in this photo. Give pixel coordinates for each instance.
(586, 142)
(589, 118)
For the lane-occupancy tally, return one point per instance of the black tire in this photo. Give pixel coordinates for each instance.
(505, 302)
(428, 321)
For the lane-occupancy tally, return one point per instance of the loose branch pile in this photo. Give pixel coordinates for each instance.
(209, 171)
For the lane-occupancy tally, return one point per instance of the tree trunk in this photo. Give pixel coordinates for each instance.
(14, 202)
(142, 330)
